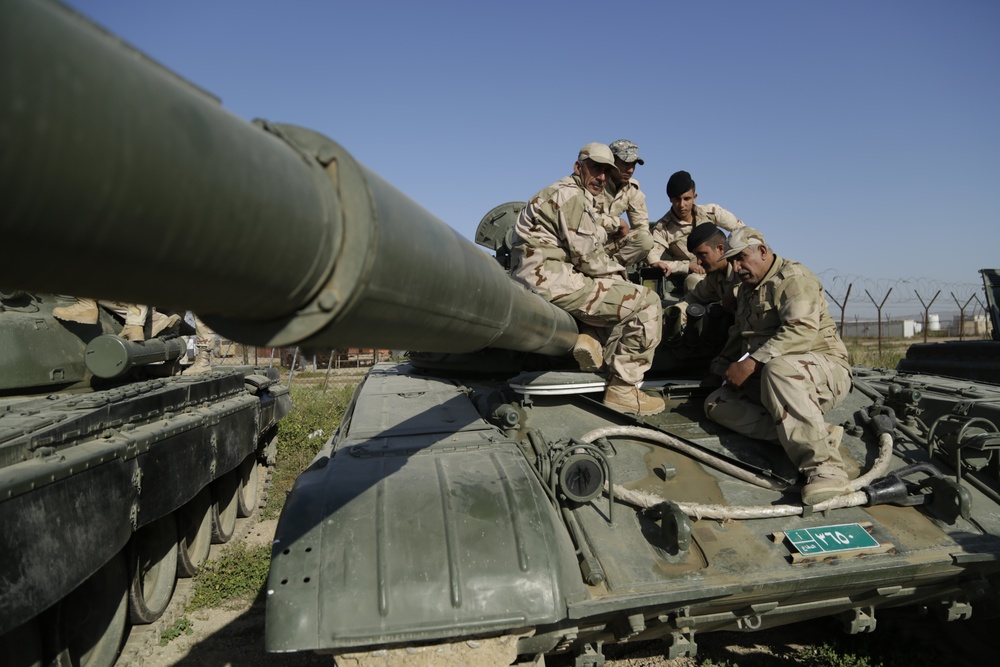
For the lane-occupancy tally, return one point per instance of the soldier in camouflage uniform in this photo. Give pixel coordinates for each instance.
(670, 253)
(630, 242)
(716, 292)
(784, 365)
(707, 243)
(559, 252)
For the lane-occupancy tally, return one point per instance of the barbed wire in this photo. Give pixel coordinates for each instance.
(902, 297)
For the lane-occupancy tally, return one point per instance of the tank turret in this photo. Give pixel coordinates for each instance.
(459, 509)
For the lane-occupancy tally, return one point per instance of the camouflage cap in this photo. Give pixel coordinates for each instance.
(597, 152)
(626, 151)
(742, 238)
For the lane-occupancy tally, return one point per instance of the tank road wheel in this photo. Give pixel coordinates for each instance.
(194, 534)
(22, 646)
(224, 500)
(249, 479)
(153, 569)
(89, 623)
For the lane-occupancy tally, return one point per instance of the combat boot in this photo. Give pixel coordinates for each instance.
(589, 353)
(84, 311)
(627, 398)
(202, 362)
(132, 332)
(825, 483)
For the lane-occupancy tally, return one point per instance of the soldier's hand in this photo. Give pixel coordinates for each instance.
(696, 267)
(622, 230)
(662, 266)
(740, 371)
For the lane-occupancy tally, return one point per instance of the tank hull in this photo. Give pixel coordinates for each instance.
(405, 531)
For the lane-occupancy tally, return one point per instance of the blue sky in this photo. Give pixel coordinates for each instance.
(861, 137)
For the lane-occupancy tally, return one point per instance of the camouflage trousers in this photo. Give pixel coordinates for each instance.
(631, 248)
(785, 403)
(625, 317)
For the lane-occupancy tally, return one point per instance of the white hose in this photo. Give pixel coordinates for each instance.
(733, 512)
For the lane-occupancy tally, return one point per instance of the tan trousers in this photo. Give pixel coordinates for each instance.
(625, 317)
(785, 403)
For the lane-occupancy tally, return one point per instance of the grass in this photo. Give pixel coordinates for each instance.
(869, 354)
(237, 574)
(182, 626)
(314, 418)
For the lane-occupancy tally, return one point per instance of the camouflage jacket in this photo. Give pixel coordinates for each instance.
(627, 200)
(717, 287)
(670, 235)
(786, 313)
(559, 242)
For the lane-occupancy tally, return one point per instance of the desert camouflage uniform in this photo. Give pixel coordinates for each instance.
(630, 201)
(670, 235)
(784, 323)
(717, 287)
(559, 253)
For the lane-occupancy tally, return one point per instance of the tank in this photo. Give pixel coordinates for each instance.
(977, 360)
(117, 474)
(479, 503)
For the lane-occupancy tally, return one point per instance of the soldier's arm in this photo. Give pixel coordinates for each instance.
(725, 219)
(799, 303)
(701, 293)
(638, 215)
(731, 351)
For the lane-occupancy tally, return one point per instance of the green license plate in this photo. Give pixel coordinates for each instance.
(829, 539)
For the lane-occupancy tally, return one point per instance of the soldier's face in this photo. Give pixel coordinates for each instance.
(626, 169)
(684, 204)
(593, 174)
(710, 257)
(751, 264)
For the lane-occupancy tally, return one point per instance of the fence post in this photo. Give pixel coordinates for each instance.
(878, 307)
(926, 310)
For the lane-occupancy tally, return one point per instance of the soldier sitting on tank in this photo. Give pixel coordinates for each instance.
(630, 241)
(559, 252)
(716, 293)
(139, 320)
(784, 365)
(670, 233)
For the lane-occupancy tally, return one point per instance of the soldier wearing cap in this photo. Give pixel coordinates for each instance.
(622, 196)
(669, 252)
(559, 252)
(707, 244)
(784, 365)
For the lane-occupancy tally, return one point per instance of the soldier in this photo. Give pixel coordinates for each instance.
(717, 292)
(84, 311)
(559, 252)
(622, 195)
(707, 243)
(784, 365)
(670, 232)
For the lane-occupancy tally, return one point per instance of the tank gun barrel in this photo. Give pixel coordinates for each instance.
(120, 180)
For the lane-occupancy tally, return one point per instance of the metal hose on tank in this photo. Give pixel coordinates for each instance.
(725, 512)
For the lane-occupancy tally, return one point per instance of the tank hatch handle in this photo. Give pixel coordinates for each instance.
(946, 498)
(675, 527)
